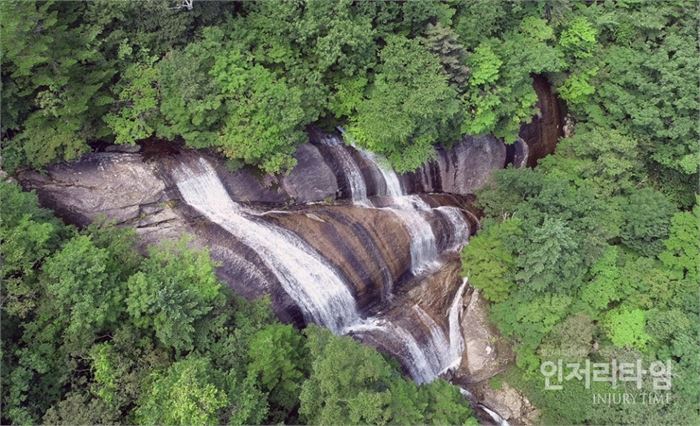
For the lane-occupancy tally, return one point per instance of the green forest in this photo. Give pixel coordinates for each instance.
(594, 254)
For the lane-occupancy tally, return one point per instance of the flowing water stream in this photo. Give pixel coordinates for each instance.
(425, 348)
(317, 287)
(305, 275)
(410, 208)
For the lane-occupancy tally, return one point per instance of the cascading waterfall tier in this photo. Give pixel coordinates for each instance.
(313, 283)
(335, 264)
(315, 286)
(424, 349)
(410, 208)
(351, 171)
(459, 227)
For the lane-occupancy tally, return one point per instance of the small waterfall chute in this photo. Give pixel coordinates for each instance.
(351, 171)
(437, 348)
(414, 356)
(455, 329)
(424, 252)
(410, 208)
(459, 232)
(500, 421)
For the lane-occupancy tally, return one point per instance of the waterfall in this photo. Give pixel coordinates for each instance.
(500, 421)
(437, 355)
(420, 367)
(456, 338)
(309, 279)
(414, 356)
(465, 392)
(391, 179)
(316, 286)
(358, 188)
(438, 348)
(460, 229)
(424, 253)
(409, 208)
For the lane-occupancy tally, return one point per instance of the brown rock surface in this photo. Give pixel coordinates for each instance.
(485, 353)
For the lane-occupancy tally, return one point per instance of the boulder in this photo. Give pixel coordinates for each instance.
(509, 403)
(126, 148)
(461, 169)
(520, 151)
(485, 353)
(113, 185)
(475, 159)
(311, 179)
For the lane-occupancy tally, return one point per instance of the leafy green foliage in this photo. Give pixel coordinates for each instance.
(647, 216)
(501, 96)
(592, 254)
(571, 339)
(279, 365)
(488, 260)
(264, 114)
(82, 282)
(443, 43)
(359, 391)
(353, 384)
(184, 394)
(626, 328)
(641, 86)
(175, 288)
(59, 78)
(409, 107)
(138, 104)
(608, 160)
(579, 38)
(681, 255)
(94, 332)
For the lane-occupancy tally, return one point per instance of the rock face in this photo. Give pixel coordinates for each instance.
(484, 355)
(460, 169)
(340, 240)
(369, 247)
(469, 164)
(509, 403)
(119, 187)
(311, 179)
(518, 153)
(543, 133)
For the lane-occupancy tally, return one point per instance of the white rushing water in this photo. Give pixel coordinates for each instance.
(391, 179)
(438, 348)
(424, 253)
(454, 323)
(314, 285)
(460, 228)
(438, 353)
(410, 208)
(500, 421)
(317, 287)
(421, 366)
(351, 170)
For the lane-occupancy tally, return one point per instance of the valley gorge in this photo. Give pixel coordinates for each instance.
(341, 241)
(349, 213)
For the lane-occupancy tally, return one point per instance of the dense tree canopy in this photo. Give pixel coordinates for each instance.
(591, 255)
(246, 78)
